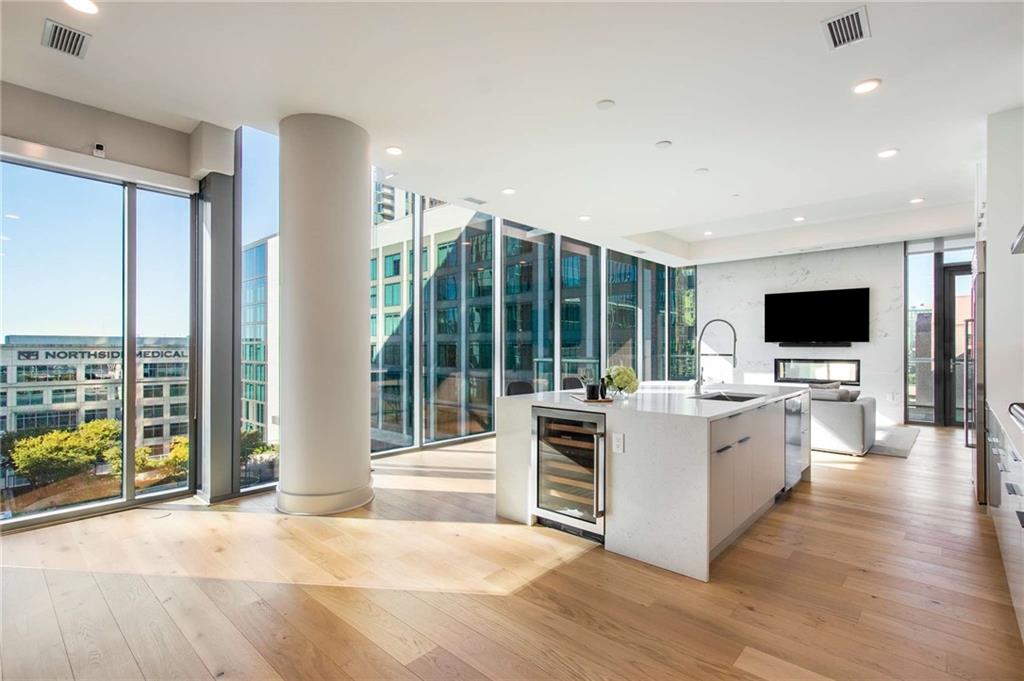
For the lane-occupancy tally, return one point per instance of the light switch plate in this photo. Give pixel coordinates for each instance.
(618, 443)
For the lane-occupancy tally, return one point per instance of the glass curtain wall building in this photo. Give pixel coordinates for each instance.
(68, 435)
(463, 307)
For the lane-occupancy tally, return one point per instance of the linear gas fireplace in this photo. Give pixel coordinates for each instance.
(811, 371)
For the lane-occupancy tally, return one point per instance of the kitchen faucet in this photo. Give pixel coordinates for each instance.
(700, 370)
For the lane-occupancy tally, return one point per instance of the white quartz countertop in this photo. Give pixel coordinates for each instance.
(673, 401)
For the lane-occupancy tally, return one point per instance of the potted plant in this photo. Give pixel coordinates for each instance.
(621, 379)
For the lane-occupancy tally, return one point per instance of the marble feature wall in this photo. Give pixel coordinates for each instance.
(735, 291)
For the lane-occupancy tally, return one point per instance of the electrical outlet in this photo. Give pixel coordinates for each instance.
(618, 443)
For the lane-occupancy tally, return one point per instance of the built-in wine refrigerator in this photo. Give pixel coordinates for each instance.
(569, 461)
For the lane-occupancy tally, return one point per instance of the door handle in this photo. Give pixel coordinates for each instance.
(742, 440)
(599, 477)
(722, 449)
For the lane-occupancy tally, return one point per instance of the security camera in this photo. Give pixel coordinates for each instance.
(98, 151)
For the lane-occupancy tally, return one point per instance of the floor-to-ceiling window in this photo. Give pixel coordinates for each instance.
(529, 309)
(622, 309)
(653, 313)
(392, 319)
(682, 327)
(259, 438)
(458, 332)
(580, 293)
(66, 280)
(938, 309)
(163, 323)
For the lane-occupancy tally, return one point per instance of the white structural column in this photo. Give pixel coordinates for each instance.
(325, 279)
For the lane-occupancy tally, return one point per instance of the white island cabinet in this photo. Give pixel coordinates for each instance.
(680, 475)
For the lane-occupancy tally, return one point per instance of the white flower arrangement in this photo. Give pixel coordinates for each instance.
(622, 379)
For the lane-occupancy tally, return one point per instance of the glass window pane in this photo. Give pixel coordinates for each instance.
(458, 366)
(162, 328)
(682, 320)
(260, 424)
(529, 304)
(622, 311)
(391, 343)
(653, 315)
(581, 312)
(920, 337)
(56, 453)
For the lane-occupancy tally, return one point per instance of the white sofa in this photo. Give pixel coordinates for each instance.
(841, 424)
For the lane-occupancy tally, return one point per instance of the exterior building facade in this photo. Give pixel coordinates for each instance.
(61, 382)
(259, 351)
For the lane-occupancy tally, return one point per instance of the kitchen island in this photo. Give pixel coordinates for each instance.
(676, 477)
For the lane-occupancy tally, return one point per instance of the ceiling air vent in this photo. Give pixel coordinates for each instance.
(474, 200)
(65, 39)
(847, 28)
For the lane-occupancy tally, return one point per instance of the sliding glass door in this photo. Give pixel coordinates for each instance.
(72, 248)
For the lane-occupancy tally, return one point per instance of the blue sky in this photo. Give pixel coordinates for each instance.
(259, 185)
(62, 266)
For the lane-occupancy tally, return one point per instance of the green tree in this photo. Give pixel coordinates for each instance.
(177, 460)
(53, 456)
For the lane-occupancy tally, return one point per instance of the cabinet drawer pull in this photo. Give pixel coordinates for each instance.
(722, 449)
(1013, 489)
(742, 440)
(732, 416)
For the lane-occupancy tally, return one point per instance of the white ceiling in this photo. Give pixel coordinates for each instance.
(487, 96)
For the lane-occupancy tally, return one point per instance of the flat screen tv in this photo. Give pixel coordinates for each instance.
(838, 316)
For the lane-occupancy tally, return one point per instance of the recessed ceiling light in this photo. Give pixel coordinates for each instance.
(708, 233)
(663, 144)
(12, 216)
(866, 86)
(799, 218)
(86, 6)
(508, 191)
(917, 200)
(605, 104)
(735, 196)
(584, 218)
(702, 171)
(393, 151)
(888, 153)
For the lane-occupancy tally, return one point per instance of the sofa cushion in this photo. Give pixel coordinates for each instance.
(854, 394)
(834, 385)
(831, 395)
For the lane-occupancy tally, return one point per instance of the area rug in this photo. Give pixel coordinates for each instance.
(895, 441)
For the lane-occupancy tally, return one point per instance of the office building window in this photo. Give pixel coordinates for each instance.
(179, 409)
(165, 370)
(581, 311)
(93, 415)
(373, 297)
(178, 429)
(373, 269)
(153, 390)
(95, 393)
(178, 390)
(153, 411)
(153, 431)
(3, 398)
(43, 420)
(46, 373)
(392, 295)
(63, 395)
(529, 304)
(28, 398)
(448, 321)
(393, 265)
(392, 322)
(102, 372)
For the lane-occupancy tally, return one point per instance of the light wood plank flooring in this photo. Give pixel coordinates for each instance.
(882, 568)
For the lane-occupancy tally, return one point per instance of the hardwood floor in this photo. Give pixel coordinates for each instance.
(882, 568)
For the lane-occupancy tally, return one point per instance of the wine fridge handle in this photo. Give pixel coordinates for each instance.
(599, 483)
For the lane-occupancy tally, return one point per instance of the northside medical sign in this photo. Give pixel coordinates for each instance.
(36, 355)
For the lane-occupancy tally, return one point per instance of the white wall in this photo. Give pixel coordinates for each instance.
(60, 123)
(1004, 329)
(735, 291)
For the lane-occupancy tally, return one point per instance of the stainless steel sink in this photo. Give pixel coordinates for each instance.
(727, 397)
